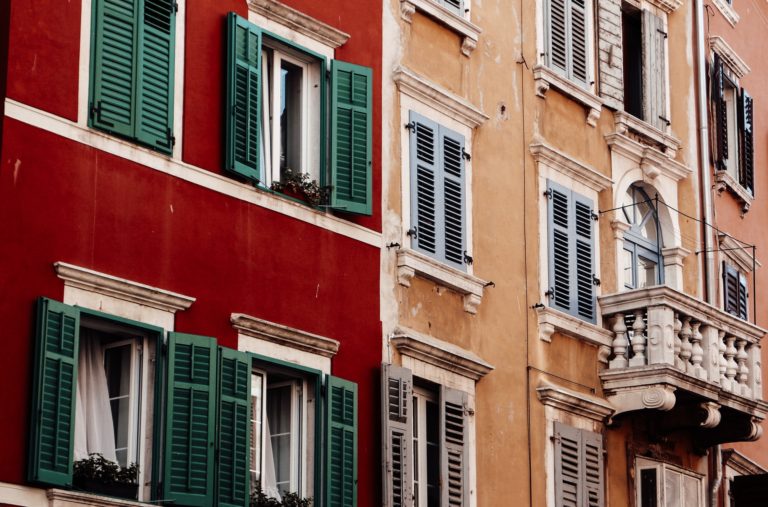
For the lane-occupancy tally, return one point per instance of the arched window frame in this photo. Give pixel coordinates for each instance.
(636, 244)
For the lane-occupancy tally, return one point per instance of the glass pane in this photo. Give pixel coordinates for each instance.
(433, 455)
(646, 272)
(257, 418)
(691, 491)
(628, 270)
(672, 489)
(279, 416)
(291, 77)
(117, 368)
(628, 206)
(648, 488)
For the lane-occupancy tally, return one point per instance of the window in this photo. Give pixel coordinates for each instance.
(567, 39)
(733, 126)
(663, 485)
(735, 293)
(200, 433)
(578, 467)
(571, 252)
(426, 441)
(644, 44)
(132, 59)
(438, 193)
(455, 6)
(277, 101)
(643, 265)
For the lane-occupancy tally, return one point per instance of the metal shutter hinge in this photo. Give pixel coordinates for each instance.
(595, 280)
(662, 32)
(548, 193)
(594, 216)
(550, 293)
(413, 233)
(174, 6)
(465, 155)
(171, 138)
(665, 121)
(468, 258)
(95, 110)
(410, 126)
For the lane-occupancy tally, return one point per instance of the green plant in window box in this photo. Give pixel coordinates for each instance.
(99, 475)
(260, 499)
(300, 186)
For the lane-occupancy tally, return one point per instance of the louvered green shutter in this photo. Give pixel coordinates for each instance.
(113, 78)
(351, 136)
(154, 69)
(583, 241)
(397, 422)
(190, 420)
(54, 393)
(454, 465)
(341, 443)
(559, 234)
(654, 65)
(746, 136)
(233, 429)
(243, 97)
(453, 201)
(721, 112)
(424, 164)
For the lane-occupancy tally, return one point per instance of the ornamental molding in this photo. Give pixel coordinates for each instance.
(574, 402)
(468, 31)
(738, 253)
(627, 124)
(727, 10)
(437, 97)
(651, 161)
(439, 353)
(284, 335)
(551, 321)
(668, 6)
(545, 78)
(741, 464)
(544, 153)
(734, 62)
(120, 288)
(65, 498)
(726, 181)
(299, 22)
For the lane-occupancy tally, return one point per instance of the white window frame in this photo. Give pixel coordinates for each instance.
(421, 396)
(642, 463)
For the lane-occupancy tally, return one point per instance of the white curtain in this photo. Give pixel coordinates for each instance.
(270, 477)
(94, 431)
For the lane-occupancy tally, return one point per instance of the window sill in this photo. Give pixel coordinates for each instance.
(728, 12)
(546, 78)
(468, 31)
(725, 180)
(551, 321)
(411, 263)
(65, 498)
(626, 123)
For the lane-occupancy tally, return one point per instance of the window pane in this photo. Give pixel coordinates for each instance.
(117, 367)
(257, 435)
(691, 491)
(629, 268)
(433, 454)
(291, 87)
(648, 488)
(646, 272)
(672, 489)
(279, 416)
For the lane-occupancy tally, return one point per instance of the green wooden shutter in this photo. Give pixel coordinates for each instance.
(453, 198)
(584, 248)
(351, 136)
(341, 442)
(655, 65)
(746, 137)
(397, 441)
(190, 420)
(454, 438)
(243, 97)
(721, 113)
(154, 70)
(233, 429)
(113, 63)
(559, 235)
(54, 393)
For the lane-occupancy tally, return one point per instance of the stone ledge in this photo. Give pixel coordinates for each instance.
(66, 498)
(625, 122)
(725, 180)
(299, 22)
(546, 78)
(411, 263)
(284, 335)
(551, 321)
(729, 56)
(553, 158)
(462, 26)
(585, 405)
(652, 161)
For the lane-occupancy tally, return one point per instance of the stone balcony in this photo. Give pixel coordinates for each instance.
(674, 353)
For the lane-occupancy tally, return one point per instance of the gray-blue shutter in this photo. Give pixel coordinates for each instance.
(559, 233)
(454, 435)
(579, 468)
(397, 441)
(557, 36)
(584, 247)
(654, 65)
(579, 55)
(567, 39)
(454, 207)
(455, 6)
(425, 159)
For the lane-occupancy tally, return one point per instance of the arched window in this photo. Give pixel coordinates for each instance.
(642, 242)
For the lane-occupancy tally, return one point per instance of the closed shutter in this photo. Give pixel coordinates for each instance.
(154, 123)
(243, 102)
(567, 36)
(452, 149)
(610, 58)
(341, 442)
(654, 65)
(584, 248)
(113, 77)
(730, 289)
(397, 397)
(454, 469)
(190, 420)
(746, 135)
(424, 163)
(559, 229)
(54, 393)
(558, 36)
(351, 131)
(579, 70)
(721, 113)
(578, 468)
(233, 472)
(455, 6)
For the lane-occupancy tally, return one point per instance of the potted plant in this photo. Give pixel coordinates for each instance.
(260, 499)
(300, 186)
(99, 475)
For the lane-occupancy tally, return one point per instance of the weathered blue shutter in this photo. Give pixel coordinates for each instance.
(54, 393)
(243, 107)
(351, 137)
(560, 254)
(397, 441)
(190, 420)
(455, 6)
(454, 208)
(583, 246)
(233, 429)
(154, 112)
(557, 36)
(579, 44)
(454, 438)
(746, 136)
(424, 164)
(341, 443)
(113, 78)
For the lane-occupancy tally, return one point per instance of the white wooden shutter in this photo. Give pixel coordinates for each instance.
(397, 398)
(454, 490)
(655, 70)
(579, 470)
(743, 296)
(455, 6)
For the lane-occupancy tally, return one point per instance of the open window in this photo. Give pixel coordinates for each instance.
(643, 262)
(660, 484)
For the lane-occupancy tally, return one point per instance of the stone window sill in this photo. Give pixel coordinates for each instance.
(546, 78)
(411, 263)
(725, 180)
(551, 321)
(626, 123)
(65, 498)
(462, 26)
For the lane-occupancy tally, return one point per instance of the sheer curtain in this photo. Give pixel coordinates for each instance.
(94, 431)
(270, 477)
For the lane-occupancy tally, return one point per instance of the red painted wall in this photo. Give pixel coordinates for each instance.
(44, 54)
(5, 20)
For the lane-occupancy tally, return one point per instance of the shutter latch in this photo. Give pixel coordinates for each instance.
(594, 216)
(665, 121)
(412, 232)
(174, 6)
(410, 126)
(468, 258)
(466, 156)
(595, 280)
(662, 32)
(171, 138)
(550, 293)
(95, 109)
(548, 193)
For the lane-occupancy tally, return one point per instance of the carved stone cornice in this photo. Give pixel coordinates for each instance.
(734, 62)
(742, 464)
(468, 31)
(668, 6)
(574, 402)
(737, 252)
(284, 335)
(299, 22)
(551, 321)
(545, 78)
(553, 158)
